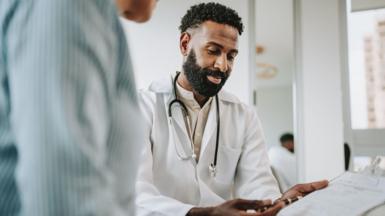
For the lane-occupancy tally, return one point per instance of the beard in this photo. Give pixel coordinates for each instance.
(197, 77)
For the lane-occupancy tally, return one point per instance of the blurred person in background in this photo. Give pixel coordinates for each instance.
(287, 141)
(70, 132)
(283, 162)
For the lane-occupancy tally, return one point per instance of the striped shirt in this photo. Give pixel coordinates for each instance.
(70, 128)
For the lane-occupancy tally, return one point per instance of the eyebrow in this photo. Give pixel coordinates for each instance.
(220, 46)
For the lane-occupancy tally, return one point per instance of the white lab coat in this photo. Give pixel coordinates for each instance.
(169, 186)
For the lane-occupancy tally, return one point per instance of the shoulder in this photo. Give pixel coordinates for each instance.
(232, 102)
(158, 87)
(154, 96)
(228, 97)
(243, 116)
(278, 152)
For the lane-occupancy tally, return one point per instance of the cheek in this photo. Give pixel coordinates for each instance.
(123, 5)
(205, 60)
(145, 8)
(230, 68)
(231, 64)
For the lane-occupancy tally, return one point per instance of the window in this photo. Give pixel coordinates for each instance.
(366, 35)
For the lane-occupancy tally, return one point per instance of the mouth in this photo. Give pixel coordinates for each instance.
(215, 80)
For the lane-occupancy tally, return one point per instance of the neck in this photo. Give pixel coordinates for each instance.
(184, 83)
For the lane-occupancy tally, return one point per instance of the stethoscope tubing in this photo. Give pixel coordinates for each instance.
(213, 165)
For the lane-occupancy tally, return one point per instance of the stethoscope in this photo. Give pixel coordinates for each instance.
(213, 165)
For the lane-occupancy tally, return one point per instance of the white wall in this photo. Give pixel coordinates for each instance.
(275, 109)
(274, 95)
(274, 31)
(319, 118)
(155, 52)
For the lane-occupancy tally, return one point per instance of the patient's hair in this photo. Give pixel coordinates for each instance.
(211, 11)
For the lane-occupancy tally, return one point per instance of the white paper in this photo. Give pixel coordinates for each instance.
(349, 194)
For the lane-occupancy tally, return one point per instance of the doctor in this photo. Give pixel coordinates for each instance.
(205, 148)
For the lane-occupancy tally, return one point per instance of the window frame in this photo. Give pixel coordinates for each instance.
(358, 138)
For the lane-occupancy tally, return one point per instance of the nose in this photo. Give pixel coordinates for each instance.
(221, 63)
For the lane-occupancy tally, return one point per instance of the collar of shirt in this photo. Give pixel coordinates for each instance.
(187, 97)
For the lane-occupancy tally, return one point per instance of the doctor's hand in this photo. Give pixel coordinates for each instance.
(239, 207)
(301, 190)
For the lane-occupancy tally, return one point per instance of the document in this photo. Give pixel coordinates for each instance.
(348, 194)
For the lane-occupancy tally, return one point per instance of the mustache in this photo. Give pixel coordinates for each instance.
(215, 73)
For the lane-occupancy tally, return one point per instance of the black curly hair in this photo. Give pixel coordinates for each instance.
(211, 11)
(286, 137)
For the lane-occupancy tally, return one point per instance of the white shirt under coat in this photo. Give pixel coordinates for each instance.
(197, 116)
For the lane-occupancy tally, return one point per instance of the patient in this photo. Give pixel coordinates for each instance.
(70, 132)
(283, 162)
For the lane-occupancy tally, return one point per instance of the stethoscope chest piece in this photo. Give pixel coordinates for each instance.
(213, 170)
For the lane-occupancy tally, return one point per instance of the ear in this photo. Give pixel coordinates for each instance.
(183, 43)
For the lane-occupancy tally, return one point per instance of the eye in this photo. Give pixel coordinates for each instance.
(213, 51)
(231, 57)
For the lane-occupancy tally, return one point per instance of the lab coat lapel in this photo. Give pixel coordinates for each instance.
(178, 117)
(166, 88)
(211, 126)
(178, 124)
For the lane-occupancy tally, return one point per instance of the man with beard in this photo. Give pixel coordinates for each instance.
(206, 153)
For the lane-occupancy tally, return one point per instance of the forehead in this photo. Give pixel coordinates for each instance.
(212, 32)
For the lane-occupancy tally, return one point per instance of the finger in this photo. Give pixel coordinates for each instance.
(273, 210)
(320, 184)
(243, 213)
(313, 186)
(249, 213)
(251, 204)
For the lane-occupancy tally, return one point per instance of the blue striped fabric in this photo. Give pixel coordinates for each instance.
(70, 126)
